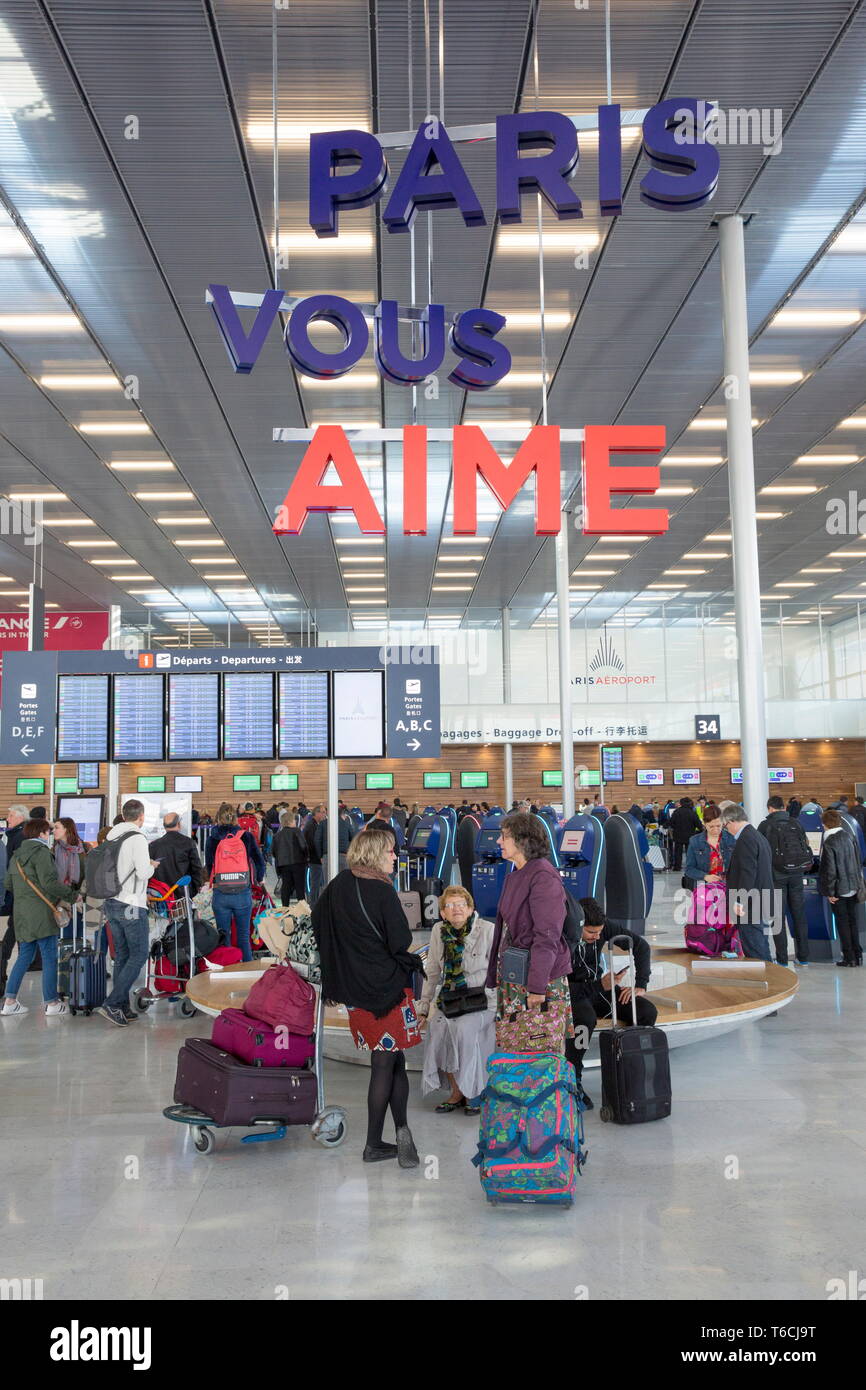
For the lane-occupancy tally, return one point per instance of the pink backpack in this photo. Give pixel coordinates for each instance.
(231, 867)
(281, 996)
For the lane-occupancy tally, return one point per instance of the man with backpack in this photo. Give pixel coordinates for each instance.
(234, 862)
(589, 985)
(117, 871)
(792, 857)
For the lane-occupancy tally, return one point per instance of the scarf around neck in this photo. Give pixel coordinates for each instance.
(453, 945)
(360, 871)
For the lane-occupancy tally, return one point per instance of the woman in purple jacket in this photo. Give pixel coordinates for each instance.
(533, 1015)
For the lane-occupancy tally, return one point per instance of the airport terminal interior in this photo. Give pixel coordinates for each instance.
(431, 540)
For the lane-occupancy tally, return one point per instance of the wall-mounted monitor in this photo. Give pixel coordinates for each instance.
(589, 777)
(88, 775)
(150, 784)
(284, 781)
(379, 781)
(247, 782)
(138, 719)
(736, 776)
(611, 764)
(86, 811)
(187, 784)
(303, 714)
(687, 776)
(551, 777)
(194, 716)
(474, 779)
(346, 782)
(248, 715)
(358, 714)
(65, 786)
(29, 786)
(436, 779)
(781, 774)
(82, 719)
(650, 776)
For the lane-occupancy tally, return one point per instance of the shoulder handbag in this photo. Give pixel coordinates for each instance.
(513, 963)
(59, 911)
(409, 962)
(454, 1003)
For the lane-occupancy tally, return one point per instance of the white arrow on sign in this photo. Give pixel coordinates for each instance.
(27, 750)
(416, 743)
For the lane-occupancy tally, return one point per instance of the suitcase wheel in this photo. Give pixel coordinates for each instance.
(188, 1008)
(605, 1113)
(329, 1128)
(141, 1001)
(203, 1139)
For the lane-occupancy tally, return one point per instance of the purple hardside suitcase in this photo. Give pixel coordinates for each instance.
(231, 1093)
(257, 1043)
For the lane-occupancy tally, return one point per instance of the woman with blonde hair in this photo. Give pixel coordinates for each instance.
(365, 947)
(460, 1027)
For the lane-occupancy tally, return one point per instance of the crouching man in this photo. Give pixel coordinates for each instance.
(589, 986)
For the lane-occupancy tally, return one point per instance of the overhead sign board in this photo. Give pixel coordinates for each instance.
(412, 704)
(29, 708)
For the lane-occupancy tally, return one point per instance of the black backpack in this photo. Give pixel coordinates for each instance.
(789, 846)
(572, 927)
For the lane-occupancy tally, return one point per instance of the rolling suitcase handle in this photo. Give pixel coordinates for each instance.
(610, 943)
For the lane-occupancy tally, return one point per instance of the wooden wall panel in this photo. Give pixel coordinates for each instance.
(824, 767)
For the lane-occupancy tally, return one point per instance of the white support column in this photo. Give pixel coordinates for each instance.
(744, 531)
(333, 819)
(506, 700)
(563, 633)
(115, 642)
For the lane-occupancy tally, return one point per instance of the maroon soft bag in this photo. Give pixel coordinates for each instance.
(257, 1043)
(282, 997)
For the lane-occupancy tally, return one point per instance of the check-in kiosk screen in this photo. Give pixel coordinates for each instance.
(421, 836)
(815, 839)
(572, 840)
(486, 842)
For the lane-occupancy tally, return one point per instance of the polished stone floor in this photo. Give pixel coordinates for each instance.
(753, 1189)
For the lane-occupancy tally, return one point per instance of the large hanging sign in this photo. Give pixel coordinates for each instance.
(535, 151)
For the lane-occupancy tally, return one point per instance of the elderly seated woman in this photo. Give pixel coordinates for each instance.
(460, 1030)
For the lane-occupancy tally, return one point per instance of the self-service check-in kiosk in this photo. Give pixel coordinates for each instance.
(489, 869)
(628, 895)
(819, 920)
(551, 830)
(467, 833)
(644, 847)
(582, 858)
(429, 849)
(357, 817)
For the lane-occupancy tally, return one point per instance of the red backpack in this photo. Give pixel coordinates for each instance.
(250, 823)
(231, 867)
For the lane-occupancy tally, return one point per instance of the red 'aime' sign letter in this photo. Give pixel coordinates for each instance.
(307, 493)
(539, 453)
(601, 480)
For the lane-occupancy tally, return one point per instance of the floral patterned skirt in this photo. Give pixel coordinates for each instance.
(396, 1032)
(540, 1029)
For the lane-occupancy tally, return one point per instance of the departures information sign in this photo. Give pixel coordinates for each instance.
(303, 715)
(82, 719)
(248, 715)
(138, 734)
(193, 717)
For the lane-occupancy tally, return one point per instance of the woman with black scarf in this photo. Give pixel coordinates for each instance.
(367, 964)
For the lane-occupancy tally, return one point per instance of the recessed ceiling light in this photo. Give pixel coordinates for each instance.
(827, 458)
(92, 545)
(688, 571)
(591, 573)
(115, 560)
(68, 521)
(524, 318)
(184, 521)
(114, 427)
(859, 597)
(211, 560)
(628, 539)
(40, 323)
(853, 422)
(789, 490)
(359, 540)
(719, 536)
(775, 378)
(212, 574)
(798, 584)
(551, 241)
(692, 460)
(822, 569)
(708, 555)
(177, 496)
(38, 496)
(136, 577)
(456, 574)
(769, 516)
(299, 132)
(464, 540)
(850, 554)
(458, 559)
(815, 318)
(452, 588)
(367, 601)
(190, 541)
(142, 466)
(354, 380)
(771, 598)
(69, 382)
(714, 422)
(673, 491)
(366, 589)
(851, 238)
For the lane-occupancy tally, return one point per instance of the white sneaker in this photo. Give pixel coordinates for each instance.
(16, 1008)
(58, 1007)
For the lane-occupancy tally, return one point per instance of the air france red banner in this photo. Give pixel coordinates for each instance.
(64, 632)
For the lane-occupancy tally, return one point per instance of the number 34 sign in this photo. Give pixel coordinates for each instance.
(707, 726)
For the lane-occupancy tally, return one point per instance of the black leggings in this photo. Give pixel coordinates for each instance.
(292, 883)
(389, 1085)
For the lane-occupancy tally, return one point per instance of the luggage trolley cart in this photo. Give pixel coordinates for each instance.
(174, 908)
(329, 1128)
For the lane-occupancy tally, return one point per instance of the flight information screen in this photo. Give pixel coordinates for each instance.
(303, 714)
(139, 719)
(82, 719)
(248, 715)
(194, 716)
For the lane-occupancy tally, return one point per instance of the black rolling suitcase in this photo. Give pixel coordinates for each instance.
(87, 981)
(635, 1066)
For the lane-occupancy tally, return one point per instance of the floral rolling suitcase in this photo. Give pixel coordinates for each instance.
(531, 1133)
